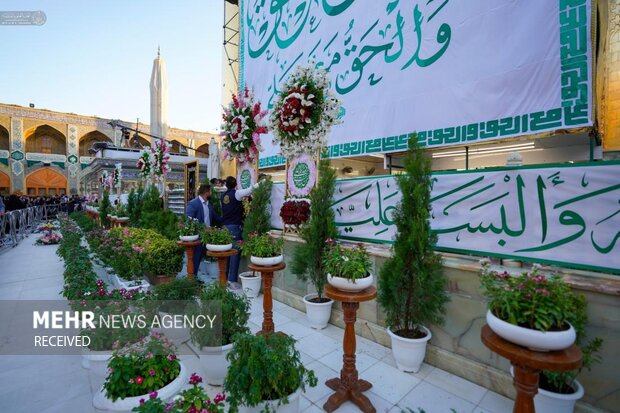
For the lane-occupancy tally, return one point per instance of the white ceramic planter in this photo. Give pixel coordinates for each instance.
(532, 339)
(250, 284)
(549, 402)
(122, 219)
(346, 284)
(291, 407)
(188, 238)
(213, 360)
(219, 248)
(266, 262)
(101, 401)
(409, 352)
(318, 313)
(97, 364)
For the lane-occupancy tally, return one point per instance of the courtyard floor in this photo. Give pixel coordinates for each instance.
(59, 384)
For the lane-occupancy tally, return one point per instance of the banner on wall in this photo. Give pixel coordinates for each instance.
(455, 72)
(559, 214)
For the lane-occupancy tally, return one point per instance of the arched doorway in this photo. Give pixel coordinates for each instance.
(5, 184)
(177, 147)
(45, 139)
(202, 151)
(46, 182)
(87, 141)
(4, 138)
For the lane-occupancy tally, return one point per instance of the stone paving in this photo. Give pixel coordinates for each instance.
(59, 384)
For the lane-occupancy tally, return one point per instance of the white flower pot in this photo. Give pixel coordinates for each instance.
(346, 284)
(142, 285)
(267, 261)
(532, 339)
(213, 360)
(318, 313)
(219, 248)
(102, 402)
(549, 402)
(122, 219)
(97, 364)
(250, 284)
(409, 352)
(188, 238)
(512, 263)
(291, 407)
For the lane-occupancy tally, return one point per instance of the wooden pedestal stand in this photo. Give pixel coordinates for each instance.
(528, 364)
(189, 250)
(222, 260)
(349, 386)
(266, 273)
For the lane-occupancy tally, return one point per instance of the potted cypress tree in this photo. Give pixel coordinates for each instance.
(307, 261)
(266, 374)
(412, 287)
(258, 220)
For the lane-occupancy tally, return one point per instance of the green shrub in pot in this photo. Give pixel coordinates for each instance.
(263, 368)
(263, 246)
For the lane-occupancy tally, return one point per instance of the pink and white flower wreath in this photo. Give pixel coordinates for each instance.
(244, 122)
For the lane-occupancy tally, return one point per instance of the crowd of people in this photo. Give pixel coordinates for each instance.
(65, 203)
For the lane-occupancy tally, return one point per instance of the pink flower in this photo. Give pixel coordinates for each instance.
(172, 357)
(153, 395)
(195, 379)
(137, 248)
(139, 380)
(149, 356)
(151, 372)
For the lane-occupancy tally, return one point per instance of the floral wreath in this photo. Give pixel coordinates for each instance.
(305, 111)
(246, 172)
(144, 162)
(301, 175)
(161, 157)
(244, 122)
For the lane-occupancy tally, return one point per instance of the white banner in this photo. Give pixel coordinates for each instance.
(456, 72)
(556, 214)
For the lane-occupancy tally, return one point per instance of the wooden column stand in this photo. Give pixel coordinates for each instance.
(528, 364)
(348, 386)
(189, 251)
(222, 260)
(266, 273)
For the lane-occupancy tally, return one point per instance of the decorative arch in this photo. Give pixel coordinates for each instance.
(5, 184)
(202, 151)
(46, 182)
(87, 141)
(178, 147)
(46, 139)
(4, 138)
(140, 143)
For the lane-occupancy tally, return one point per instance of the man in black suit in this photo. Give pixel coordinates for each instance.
(202, 210)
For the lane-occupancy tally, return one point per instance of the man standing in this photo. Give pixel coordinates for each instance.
(201, 209)
(232, 219)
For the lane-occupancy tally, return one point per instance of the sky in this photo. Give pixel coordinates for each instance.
(95, 57)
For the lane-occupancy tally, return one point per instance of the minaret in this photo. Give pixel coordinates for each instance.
(159, 98)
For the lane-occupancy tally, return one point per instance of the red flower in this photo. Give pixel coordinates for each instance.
(139, 380)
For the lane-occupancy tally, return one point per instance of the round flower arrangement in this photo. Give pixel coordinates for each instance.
(144, 162)
(295, 212)
(305, 111)
(244, 122)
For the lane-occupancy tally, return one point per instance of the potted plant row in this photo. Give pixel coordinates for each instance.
(190, 229)
(217, 239)
(266, 374)
(211, 347)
